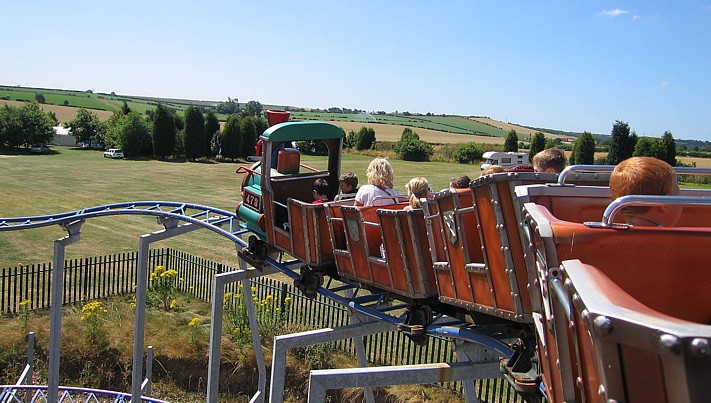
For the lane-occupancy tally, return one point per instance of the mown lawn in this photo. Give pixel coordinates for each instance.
(70, 179)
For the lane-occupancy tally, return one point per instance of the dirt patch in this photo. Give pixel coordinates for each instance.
(385, 132)
(63, 113)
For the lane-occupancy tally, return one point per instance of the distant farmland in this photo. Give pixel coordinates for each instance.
(388, 127)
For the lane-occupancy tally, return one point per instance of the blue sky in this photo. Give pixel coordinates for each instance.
(567, 65)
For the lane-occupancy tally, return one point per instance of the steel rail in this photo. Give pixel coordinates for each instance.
(212, 219)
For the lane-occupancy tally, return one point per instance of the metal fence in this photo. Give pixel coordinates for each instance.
(101, 277)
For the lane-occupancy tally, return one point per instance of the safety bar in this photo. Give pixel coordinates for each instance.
(608, 168)
(309, 168)
(646, 200)
(583, 168)
(245, 169)
(395, 198)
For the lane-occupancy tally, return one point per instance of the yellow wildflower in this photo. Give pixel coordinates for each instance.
(25, 303)
(173, 304)
(153, 276)
(194, 323)
(160, 269)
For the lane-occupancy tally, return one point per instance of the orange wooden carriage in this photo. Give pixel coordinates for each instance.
(653, 272)
(385, 249)
(477, 245)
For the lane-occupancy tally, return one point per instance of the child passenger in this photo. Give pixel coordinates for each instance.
(460, 182)
(646, 176)
(417, 188)
(320, 191)
(493, 169)
(549, 160)
(380, 184)
(348, 183)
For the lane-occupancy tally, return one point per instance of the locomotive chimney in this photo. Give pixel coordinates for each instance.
(276, 116)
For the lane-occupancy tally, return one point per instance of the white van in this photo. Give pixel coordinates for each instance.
(506, 160)
(113, 153)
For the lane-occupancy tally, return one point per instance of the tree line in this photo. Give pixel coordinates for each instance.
(162, 133)
(623, 144)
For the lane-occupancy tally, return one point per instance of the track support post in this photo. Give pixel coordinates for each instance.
(55, 322)
(244, 274)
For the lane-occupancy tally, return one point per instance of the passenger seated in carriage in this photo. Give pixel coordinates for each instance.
(646, 176)
(492, 169)
(380, 184)
(550, 160)
(320, 191)
(348, 183)
(417, 188)
(460, 182)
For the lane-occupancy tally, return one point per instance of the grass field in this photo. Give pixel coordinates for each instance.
(71, 179)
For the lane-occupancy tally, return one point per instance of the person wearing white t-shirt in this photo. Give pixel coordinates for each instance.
(380, 184)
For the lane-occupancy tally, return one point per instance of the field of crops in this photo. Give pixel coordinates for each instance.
(111, 103)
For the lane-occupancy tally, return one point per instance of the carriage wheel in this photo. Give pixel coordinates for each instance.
(309, 282)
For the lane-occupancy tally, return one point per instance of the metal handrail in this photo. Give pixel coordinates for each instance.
(609, 168)
(583, 168)
(618, 204)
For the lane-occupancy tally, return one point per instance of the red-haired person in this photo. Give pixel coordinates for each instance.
(646, 176)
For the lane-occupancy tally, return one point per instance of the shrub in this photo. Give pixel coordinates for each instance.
(414, 150)
(411, 148)
(467, 153)
(365, 138)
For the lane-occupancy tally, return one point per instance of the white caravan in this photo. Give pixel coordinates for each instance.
(506, 160)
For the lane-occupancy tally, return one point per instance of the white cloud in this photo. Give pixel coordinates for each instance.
(612, 13)
(636, 17)
(664, 84)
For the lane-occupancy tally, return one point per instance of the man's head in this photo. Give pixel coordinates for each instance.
(646, 176)
(549, 160)
(348, 182)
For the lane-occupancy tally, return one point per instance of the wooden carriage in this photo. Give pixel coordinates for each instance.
(384, 248)
(649, 264)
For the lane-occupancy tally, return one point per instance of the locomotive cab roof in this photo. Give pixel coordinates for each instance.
(301, 131)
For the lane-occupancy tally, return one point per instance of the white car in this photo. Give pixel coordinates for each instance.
(113, 153)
